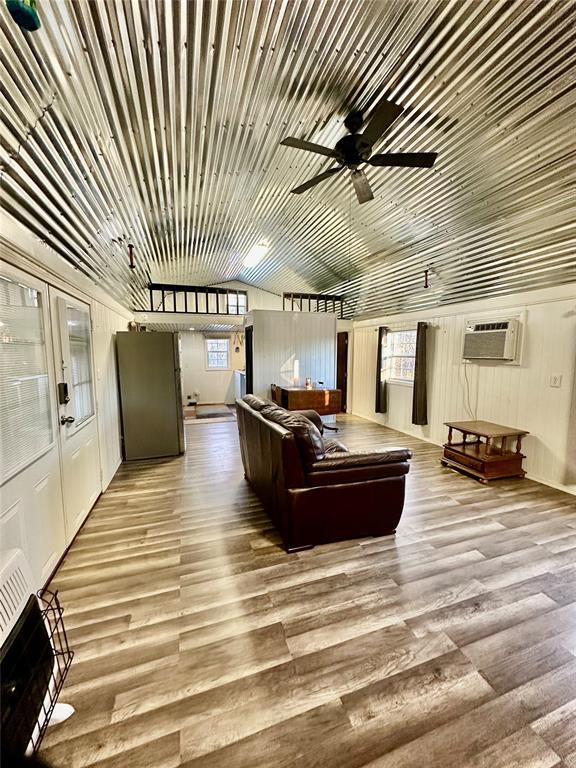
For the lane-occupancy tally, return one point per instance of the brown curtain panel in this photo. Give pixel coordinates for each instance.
(419, 395)
(381, 391)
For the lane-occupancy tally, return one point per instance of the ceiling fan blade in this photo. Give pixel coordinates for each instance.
(315, 180)
(309, 146)
(362, 186)
(384, 115)
(408, 159)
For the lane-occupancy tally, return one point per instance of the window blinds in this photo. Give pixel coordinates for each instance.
(26, 429)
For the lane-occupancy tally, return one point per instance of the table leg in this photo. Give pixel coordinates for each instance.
(519, 444)
(449, 435)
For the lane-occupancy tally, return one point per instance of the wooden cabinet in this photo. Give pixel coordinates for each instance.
(323, 401)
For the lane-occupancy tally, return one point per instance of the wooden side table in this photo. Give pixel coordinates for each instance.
(488, 460)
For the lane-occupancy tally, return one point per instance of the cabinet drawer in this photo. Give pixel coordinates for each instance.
(465, 460)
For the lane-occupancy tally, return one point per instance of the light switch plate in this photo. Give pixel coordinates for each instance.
(556, 380)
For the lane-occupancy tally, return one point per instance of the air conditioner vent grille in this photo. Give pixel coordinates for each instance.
(491, 326)
(486, 345)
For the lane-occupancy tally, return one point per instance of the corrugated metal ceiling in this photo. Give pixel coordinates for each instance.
(201, 326)
(159, 123)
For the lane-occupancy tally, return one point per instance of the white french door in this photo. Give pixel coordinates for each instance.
(31, 508)
(77, 425)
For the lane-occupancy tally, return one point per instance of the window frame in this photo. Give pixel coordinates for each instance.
(385, 358)
(237, 299)
(207, 353)
(71, 408)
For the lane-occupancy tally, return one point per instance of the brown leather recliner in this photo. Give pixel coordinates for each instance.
(315, 490)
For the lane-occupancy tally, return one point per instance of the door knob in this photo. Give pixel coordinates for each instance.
(66, 420)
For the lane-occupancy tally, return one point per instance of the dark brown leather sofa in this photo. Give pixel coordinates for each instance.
(315, 490)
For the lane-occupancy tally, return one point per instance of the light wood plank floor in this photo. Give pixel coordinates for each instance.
(199, 642)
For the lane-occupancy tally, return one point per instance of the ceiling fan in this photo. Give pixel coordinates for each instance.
(356, 148)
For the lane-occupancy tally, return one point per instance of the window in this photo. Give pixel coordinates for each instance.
(25, 418)
(398, 356)
(217, 354)
(237, 303)
(78, 325)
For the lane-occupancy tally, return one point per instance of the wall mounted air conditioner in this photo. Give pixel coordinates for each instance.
(491, 340)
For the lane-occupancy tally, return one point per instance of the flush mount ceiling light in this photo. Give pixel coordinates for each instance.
(255, 255)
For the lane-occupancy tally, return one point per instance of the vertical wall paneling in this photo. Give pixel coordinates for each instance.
(105, 324)
(257, 298)
(282, 338)
(515, 395)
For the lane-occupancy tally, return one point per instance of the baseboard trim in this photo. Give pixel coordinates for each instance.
(106, 481)
(529, 475)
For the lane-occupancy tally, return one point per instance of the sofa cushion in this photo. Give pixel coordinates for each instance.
(256, 403)
(331, 445)
(307, 435)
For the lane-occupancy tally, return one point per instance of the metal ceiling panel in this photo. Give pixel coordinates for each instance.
(159, 123)
(202, 327)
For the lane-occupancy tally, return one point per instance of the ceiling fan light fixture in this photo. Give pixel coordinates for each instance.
(255, 255)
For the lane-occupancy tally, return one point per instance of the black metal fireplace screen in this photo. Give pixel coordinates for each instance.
(34, 662)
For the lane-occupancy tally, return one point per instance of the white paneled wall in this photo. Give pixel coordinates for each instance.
(212, 386)
(514, 395)
(105, 323)
(282, 338)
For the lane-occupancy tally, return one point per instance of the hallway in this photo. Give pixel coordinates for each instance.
(200, 642)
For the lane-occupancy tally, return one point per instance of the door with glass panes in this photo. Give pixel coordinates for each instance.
(31, 510)
(78, 430)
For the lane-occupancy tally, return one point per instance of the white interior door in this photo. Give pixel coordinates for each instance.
(78, 430)
(31, 507)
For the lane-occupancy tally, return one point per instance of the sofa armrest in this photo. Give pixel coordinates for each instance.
(351, 459)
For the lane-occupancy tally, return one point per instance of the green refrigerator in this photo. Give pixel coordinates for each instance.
(149, 377)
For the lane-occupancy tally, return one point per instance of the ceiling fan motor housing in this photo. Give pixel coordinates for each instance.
(353, 150)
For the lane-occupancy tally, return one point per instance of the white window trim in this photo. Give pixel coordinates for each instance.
(401, 382)
(213, 369)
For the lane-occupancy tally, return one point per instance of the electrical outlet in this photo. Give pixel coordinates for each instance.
(556, 380)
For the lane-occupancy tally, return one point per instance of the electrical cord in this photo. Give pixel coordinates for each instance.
(29, 133)
(467, 403)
